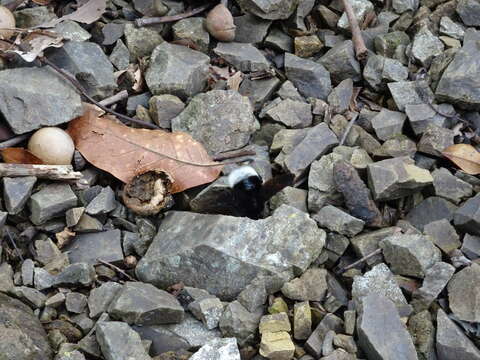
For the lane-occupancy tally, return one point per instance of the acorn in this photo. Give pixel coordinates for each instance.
(7, 21)
(52, 145)
(219, 23)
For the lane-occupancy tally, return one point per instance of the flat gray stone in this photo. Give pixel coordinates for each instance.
(16, 192)
(120, 56)
(443, 235)
(435, 139)
(89, 64)
(74, 275)
(163, 108)
(426, 46)
(218, 349)
(406, 93)
(100, 298)
(379, 313)
(279, 40)
(293, 114)
(463, 298)
(163, 77)
(89, 248)
(401, 6)
(450, 28)
(339, 221)
(467, 217)
(26, 106)
(103, 203)
(244, 57)
(270, 10)
(311, 286)
(258, 91)
(340, 61)
(50, 202)
(220, 247)
(32, 17)
(6, 278)
(388, 123)
(452, 343)
(192, 30)
(469, 11)
(309, 77)
(143, 304)
(471, 246)
(71, 30)
(75, 302)
(141, 41)
(27, 272)
(238, 322)
(220, 120)
(431, 209)
(421, 116)
(250, 29)
(387, 44)
(208, 310)
(330, 322)
(450, 187)
(118, 341)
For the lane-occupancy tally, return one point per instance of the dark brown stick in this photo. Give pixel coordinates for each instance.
(14, 141)
(52, 172)
(358, 43)
(365, 258)
(116, 268)
(80, 88)
(165, 19)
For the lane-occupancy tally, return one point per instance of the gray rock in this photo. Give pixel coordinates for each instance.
(143, 304)
(70, 30)
(16, 192)
(290, 196)
(254, 295)
(119, 342)
(218, 349)
(6, 278)
(75, 302)
(443, 235)
(407, 93)
(311, 286)
(244, 57)
(330, 322)
(141, 41)
(50, 202)
(410, 255)
(421, 116)
(401, 6)
(467, 217)
(32, 297)
(379, 313)
(270, 10)
(469, 11)
(339, 221)
(18, 322)
(24, 104)
(238, 322)
(112, 32)
(46, 251)
(218, 248)
(297, 20)
(310, 78)
(435, 139)
(120, 56)
(367, 243)
(73, 215)
(379, 280)
(163, 108)
(258, 91)
(220, 120)
(27, 272)
(340, 61)
(31, 17)
(471, 246)
(431, 209)
(100, 298)
(279, 41)
(289, 91)
(449, 186)
(208, 310)
(87, 62)
(450, 28)
(162, 76)
(422, 330)
(388, 123)
(192, 30)
(79, 274)
(360, 8)
(250, 29)
(339, 98)
(88, 248)
(426, 46)
(387, 44)
(70, 355)
(464, 298)
(88, 224)
(456, 85)
(103, 203)
(394, 178)
(302, 320)
(293, 114)
(43, 279)
(436, 278)
(452, 343)
(274, 323)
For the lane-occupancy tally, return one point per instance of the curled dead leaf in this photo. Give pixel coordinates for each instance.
(19, 156)
(88, 13)
(31, 44)
(465, 156)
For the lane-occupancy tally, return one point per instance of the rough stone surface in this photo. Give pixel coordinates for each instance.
(340, 61)
(162, 76)
(208, 310)
(274, 323)
(311, 286)
(293, 114)
(462, 296)
(469, 11)
(16, 192)
(314, 343)
(420, 116)
(449, 186)
(277, 345)
(218, 349)
(339, 221)
(471, 246)
(443, 235)
(426, 46)
(270, 10)
(302, 320)
(163, 108)
(26, 106)
(244, 57)
(50, 202)
(220, 120)
(100, 298)
(250, 29)
(141, 41)
(467, 217)
(435, 139)
(222, 247)
(431, 209)
(192, 30)
(388, 123)
(238, 322)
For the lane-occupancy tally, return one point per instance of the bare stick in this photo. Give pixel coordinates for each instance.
(116, 268)
(52, 172)
(165, 19)
(365, 258)
(232, 155)
(14, 141)
(360, 48)
(80, 88)
(347, 130)
(115, 98)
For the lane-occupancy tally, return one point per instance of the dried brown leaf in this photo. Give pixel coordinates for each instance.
(30, 46)
(86, 14)
(465, 156)
(19, 156)
(125, 152)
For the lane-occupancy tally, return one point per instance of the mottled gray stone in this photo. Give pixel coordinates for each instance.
(254, 295)
(218, 349)
(71, 30)
(388, 123)
(289, 91)
(302, 320)
(236, 321)
(101, 297)
(443, 235)
(270, 10)
(88, 224)
(258, 91)
(279, 40)
(291, 113)
(89, 64)
(313, 345)
(250, 29)
(55, 301)
(26, 106)
(401, 6)
(386, 44)
(220, 120)
(469, 11)
(42, 279)
(30, 17)
(340, 61)
(339, 98)
(120, 56)
(311, 286)
(452, 343)
(360, 8)
(471, 246)
(119, 341)
(450, 28)
(426, 46)
(73, 215)
(217, 249)
(208, 310)
(163, 77)
(79, 274)
(112, 32)
(421, 116)
(16, 192)
(88, 248)
(449, 186)
(143, 304)
(32, 297)
(339, 221)
(6, 277)
(431, 209)
(27, 272)
(394, 178)
(141, 41)
(75, 302)
(467, 217)
(463, 298)
(163, 108)
(379, 313)
(290, 196)
(50, 202)
(309, 77)
(193, 30)
(103, 203)
(435, 139)
(406, 93)
(23, 337)
(244, 57)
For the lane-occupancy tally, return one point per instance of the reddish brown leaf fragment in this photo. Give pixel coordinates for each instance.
(19, 156)
(465, 156)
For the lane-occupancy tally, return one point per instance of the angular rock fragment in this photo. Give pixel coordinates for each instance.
(302, 320)
(277, 345)
(449, 186)
(16, 192)
(208, 310)
(250, 29)
(238, 322)
(100, 298)
(339, 221)
(340, 61)
(443, 235)
(258, 91)
(103, 203)
(381, 70)
(312, 285)
(270, 10)
(463, 297)
(293, 114)
(218, 349)
(431, 209)
(274, 323)
(360, 8)
(426, 46)
(388, 123)
(244, 57)
(330, 322)
(422, 330)
(192, 30)
(141, 41)
(50, 202)
(471, 246)
(469, 11)
(435, 139)
(409, 93)
(421, 116)
(467, 217)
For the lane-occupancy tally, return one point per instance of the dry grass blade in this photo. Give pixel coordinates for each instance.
(465, 156)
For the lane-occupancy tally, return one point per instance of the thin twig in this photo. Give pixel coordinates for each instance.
(358, 43)
(14, 244)
(80, 88)
(365, 258)
(347, 130)
(116, 268)
(51, 172)
(232, 155)
(14, 141)
(114, 98)
(165, 19)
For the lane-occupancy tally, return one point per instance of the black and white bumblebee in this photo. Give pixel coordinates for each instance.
(251, 193)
